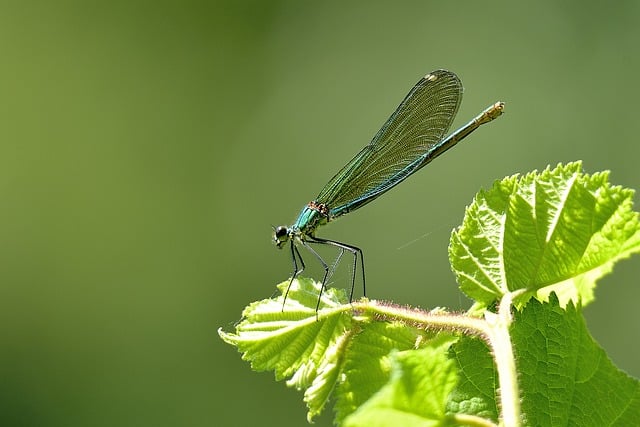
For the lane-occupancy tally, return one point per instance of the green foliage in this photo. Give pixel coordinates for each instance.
(563, 375)
(475, 391)
(555, 231)
(367, 365)
(416, 391)
(533, 248)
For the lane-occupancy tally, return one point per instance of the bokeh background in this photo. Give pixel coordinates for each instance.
(147, 148)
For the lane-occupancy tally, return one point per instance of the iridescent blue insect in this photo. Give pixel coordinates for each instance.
(410, 138)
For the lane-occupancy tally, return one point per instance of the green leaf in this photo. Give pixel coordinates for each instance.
(416, 394)
(294, 342)
(344, 348)
(565, 377)
(475, 393)
(555, 231)
(367, 365)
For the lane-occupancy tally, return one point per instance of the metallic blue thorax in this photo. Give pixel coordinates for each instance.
(311, 217)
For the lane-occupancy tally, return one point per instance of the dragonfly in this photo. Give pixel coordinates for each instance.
(411, 138)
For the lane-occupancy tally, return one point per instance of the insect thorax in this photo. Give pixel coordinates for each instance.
(311, 217)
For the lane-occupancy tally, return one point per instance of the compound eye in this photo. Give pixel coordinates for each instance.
(280, 236)
(281, 232)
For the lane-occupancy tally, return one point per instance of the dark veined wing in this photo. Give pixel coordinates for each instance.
(418, 124)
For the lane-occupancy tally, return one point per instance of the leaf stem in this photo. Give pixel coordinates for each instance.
(431, 320)
(500, 343)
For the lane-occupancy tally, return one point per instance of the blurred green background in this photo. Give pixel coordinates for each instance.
(148, 147)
